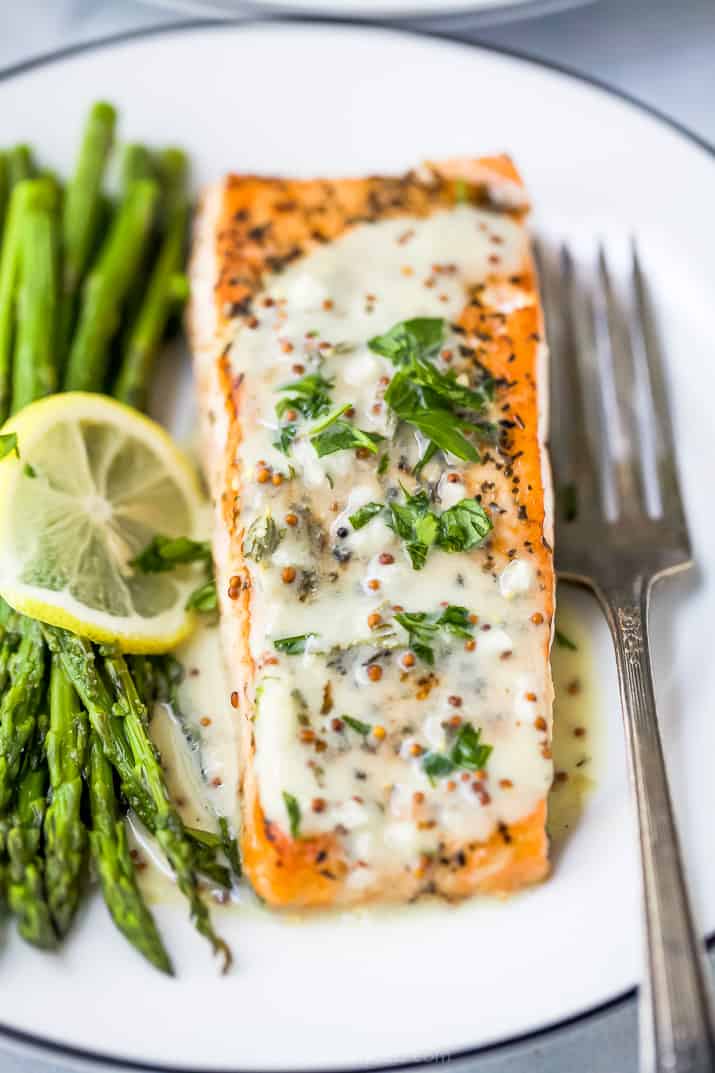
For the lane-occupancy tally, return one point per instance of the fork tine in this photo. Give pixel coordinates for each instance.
(669, 488)
(571, 453)
(624, 440)
(574, 356)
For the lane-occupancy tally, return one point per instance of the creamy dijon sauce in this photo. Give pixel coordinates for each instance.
(371, 788)
(577, 739)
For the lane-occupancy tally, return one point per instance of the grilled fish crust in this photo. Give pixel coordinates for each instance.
(249, 226)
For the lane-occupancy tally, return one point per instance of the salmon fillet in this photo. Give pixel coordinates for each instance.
(371, 380)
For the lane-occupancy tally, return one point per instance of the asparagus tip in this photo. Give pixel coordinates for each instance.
(104, 111)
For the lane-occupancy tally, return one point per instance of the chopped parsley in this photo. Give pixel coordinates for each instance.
(420, 407)
(365, 514)
(463, 526)
(310, 396)
(460, 528)
(421, 335)
(357, 725)
(468, 753)
(8, 443)
(423, 628)
(433, 402)
(262, 538)
(430, 451)
(205, 598)
(293, 646)
(293, 810)
(436, 765)
(286, 434)
(164, 553)
(334, 434)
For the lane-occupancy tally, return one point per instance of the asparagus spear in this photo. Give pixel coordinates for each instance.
(21, 164)
(9, 640)
(79, 659)
(168, 827)
(83, 210)
(136, 165)
(163, 289)
(19, 705)
(4, 188)
(110, 850)
(25, 886)
(34, 368)
(106, 287)
(65, 833)
(80, 662)
(9, 272)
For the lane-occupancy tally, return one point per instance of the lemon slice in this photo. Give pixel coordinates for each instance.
(95, 481)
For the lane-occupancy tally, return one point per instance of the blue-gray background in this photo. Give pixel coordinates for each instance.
(661, 51)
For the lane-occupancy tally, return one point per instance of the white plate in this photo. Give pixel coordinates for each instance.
(482, 11)
(375, 988)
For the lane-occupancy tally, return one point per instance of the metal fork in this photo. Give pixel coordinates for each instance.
(617, 536)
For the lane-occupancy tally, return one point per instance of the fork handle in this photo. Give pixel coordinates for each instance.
(676, 1024)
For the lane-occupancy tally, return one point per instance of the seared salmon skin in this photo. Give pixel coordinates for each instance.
(371, 372)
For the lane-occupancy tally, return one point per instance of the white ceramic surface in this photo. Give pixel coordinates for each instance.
(481, 11)
(379, 987)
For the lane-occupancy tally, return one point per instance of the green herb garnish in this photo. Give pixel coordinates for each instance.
(334, 434)
(8, 443)
(293, 646)
(262, 538)
(365, 514)
(421, 407)
(310, 396)
(164, 553)
(434, 402)
(463, 526)
(468, 753)
(204, 599)
(356, 725)
(423, 628)
(293, 810)
(460, 528)
(286, 435)
(430, 451)
(416, 524)
(436, 765)
(564, 642)
(407, 339)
